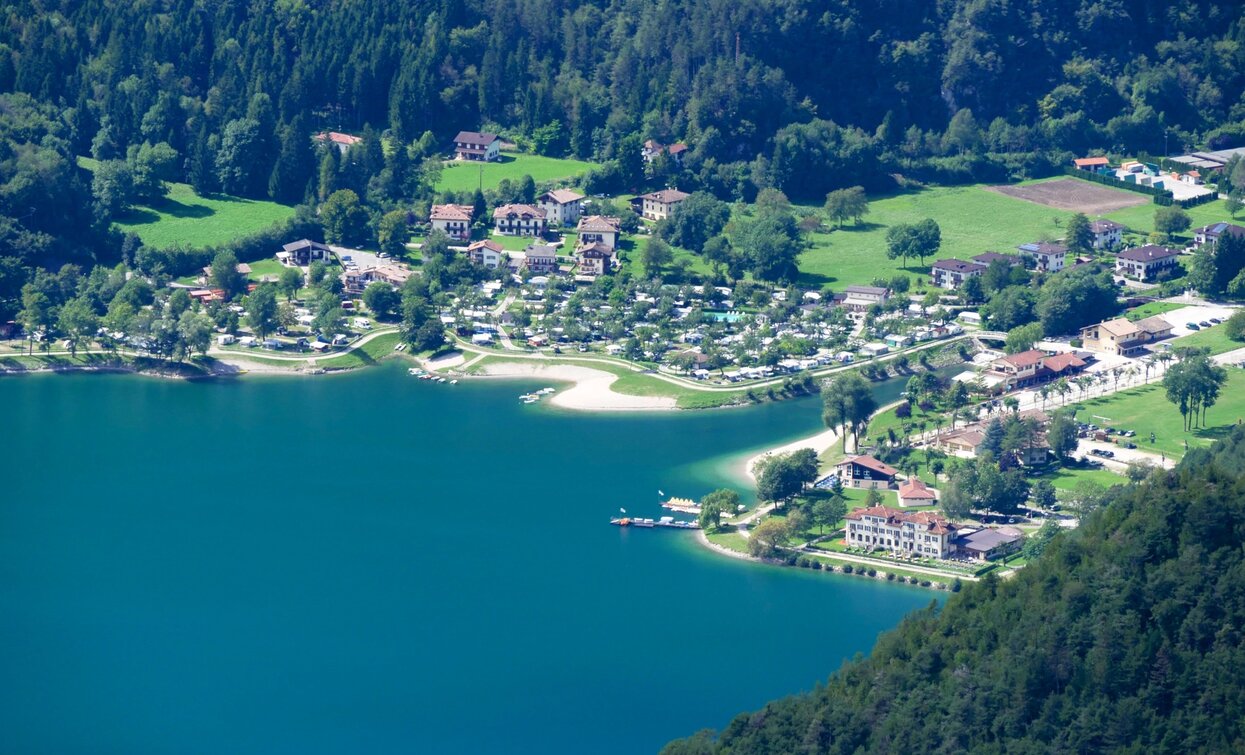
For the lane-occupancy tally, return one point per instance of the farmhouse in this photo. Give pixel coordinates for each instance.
(596, 228)
(659, 204)
(921, 533)
(1145, 263)
(1107, 233)
(951, 273)
(488, 253)
(1125, 337)
(339, 140)
(473, 145)
(303, 252)
(519, 220)
(865, 472)
(454, 220)
(595, 259)
(1210, 234)
(1047, 258)
(561, 206)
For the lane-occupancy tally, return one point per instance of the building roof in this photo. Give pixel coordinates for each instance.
(452, 212)
(598, 224)
(866, 290)
(676, 148)
(1154, 325)
(1087, 162)
(914, 488)
(1061, 362)
(1220, 228)
(958, 266)
(561, 196)
(294, 246)
(475, 137)
(540, 250)
(868, 462)
(596, 249)
(986, 539)
(1043, 248)
(666, 196)
(1103, 226)
(1148, 253)
(1024, 358)
(518, 210)
(336, 137)
(985, 258)
(936, 523)
(966, 438)
(1120, 327)
(486, 244)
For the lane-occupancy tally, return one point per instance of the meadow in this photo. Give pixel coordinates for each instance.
(972, 219)
(185, 219)
(466, 176)
(1146, 410)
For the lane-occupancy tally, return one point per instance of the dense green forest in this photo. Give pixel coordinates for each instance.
(1124, 636)
(798, 96)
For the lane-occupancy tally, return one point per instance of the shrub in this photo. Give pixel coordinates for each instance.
(956, 585)
(873, 573)
(818, 566)
(925, 583)
(890, 577)
(1234, 328)
(847, 568)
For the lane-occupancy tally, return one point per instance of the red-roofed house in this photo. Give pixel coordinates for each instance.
(920, 533)
(1033, 367)
(913, 492)
(1090, 163)
(519, 220)
(342, 141)
(866, 472)
(488, 253)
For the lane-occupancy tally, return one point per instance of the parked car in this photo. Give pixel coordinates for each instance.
(1193, 326)
(1204, 324)
(1215, 320)
(1130, 444)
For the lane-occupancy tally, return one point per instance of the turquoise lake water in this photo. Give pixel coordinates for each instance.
(370, 563)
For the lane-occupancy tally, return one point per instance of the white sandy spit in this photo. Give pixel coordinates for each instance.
(590, 390)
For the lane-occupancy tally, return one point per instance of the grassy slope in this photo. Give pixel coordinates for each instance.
(1150, 309)
(1146, 409)
(184, 218)
(466, 176)
(973, 220)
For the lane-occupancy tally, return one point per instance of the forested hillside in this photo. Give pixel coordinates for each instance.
(765, 92)
(1125, 636)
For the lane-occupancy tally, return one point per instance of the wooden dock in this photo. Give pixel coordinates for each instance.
(665, 521)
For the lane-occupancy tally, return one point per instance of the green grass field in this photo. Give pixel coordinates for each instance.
(1141, 217)
(466, 176)
(1064, 479)
(184, 218)
(1214, 338)
(973, 220)
(1146, 410)
(1150, 309)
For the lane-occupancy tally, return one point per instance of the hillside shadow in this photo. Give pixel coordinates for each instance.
(815, 280)
(862, 227)
(181, 210)
(139, 216)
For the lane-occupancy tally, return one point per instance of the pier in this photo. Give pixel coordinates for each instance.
(665, 521)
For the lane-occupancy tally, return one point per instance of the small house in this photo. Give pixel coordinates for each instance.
(519, 220)
(658, 205)
(488, 253)
(598, 229)
(303, 252)
(1107, 233)
(1046, 257)
(1146, 263)
(913, 492)
(866, 472)
(951, 273)
(473, 145)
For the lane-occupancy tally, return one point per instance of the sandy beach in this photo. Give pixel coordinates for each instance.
(590, 389)
(819, 443)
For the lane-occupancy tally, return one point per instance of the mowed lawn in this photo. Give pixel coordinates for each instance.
(1213, 338)
(1146, 410)
(183, 218)
(973, 220)
(466, 176)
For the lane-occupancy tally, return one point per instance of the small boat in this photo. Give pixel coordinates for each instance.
(624, 522)
(440, 380)
(644, 522)
(545, 391)
(415, 371)
(454, 381)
